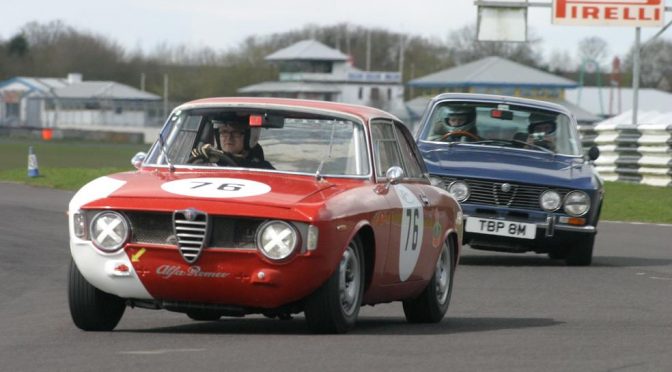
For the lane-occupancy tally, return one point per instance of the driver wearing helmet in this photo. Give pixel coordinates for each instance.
(542, 133)
(235, 145)
(458, 124)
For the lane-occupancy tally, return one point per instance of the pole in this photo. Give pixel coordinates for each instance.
(368, 50)
(142, 81)
(165, 95)
(635, 75)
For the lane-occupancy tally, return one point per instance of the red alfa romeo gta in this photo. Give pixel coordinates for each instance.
(267, 206)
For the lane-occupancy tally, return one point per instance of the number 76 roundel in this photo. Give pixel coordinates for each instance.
(412, 224)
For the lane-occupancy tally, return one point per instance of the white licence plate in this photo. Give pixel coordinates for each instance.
(501, 228)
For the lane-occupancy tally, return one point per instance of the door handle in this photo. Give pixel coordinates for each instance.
(424, 199)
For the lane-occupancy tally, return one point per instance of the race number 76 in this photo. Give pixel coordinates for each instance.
(411, 216)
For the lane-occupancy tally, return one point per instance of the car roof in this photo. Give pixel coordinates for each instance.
(364, 113)
(501, 99)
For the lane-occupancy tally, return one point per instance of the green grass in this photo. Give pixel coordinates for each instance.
(633, 202)
(66, 154)
(70, 165)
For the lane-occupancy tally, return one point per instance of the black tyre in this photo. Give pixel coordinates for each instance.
(334, 307)
(580, 253)
(558, 253)
(90, 308)
(432, 304)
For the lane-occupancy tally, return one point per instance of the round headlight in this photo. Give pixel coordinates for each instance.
(459, 189)
(109, 231)
(276, 239)
(577, 203)
(550, 201)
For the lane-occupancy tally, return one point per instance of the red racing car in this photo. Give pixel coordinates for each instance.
(267, 206)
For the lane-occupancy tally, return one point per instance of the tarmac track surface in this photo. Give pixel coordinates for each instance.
(508, 313)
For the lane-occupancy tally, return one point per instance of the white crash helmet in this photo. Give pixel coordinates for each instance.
(468, 113)
(251, 134)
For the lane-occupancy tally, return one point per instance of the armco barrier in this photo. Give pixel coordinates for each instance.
(641, 154)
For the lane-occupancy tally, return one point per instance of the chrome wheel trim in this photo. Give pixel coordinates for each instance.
(349, 281)
(443, 275)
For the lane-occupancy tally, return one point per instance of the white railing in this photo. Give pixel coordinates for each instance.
(641, 154)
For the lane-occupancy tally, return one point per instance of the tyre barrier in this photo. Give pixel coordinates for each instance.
(632, 153)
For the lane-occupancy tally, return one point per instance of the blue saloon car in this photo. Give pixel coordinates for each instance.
(518, 169)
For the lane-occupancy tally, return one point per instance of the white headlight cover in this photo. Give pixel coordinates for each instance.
(109, 231)
(459, 189)
(277, 239)
(577, 203)
(550, 201)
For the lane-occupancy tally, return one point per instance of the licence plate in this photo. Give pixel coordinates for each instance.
(501, 228)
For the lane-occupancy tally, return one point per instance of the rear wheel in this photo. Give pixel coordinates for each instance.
(334, 307)
(92, 309)
(432, 304)
(581, 252)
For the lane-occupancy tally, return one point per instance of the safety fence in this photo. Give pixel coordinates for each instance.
(629, 153)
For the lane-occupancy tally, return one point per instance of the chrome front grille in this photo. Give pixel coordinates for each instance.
(192, 230)
(493, 193)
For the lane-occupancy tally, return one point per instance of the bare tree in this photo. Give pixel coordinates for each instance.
(465, 47)
(655, 64)
(593, 48)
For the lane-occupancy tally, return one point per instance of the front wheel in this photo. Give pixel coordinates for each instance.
(580, 253)
(92, 309)
(432, 304)
(334, 307)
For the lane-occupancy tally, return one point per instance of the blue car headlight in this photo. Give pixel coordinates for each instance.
(577, 203)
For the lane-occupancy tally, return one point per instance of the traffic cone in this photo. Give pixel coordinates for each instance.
(33, 169)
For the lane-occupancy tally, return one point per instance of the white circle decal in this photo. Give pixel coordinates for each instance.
(412, 230)
(216, 187)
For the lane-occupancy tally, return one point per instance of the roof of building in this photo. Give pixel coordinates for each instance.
(492, 72)
(605, 101)
(103, 89)
(307, 50)
(63, 88)
(290, 87)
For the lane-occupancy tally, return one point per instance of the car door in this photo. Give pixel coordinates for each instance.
(406, 201)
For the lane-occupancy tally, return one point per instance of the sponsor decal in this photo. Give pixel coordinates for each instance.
(169, 271)
(216, 187)
(436, 230)
(412, 227)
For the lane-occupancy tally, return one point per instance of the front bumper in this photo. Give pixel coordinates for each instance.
(550, 233)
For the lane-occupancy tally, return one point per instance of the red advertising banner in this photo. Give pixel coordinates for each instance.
(634, 13)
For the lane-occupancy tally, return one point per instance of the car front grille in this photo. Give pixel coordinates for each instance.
(225, 232)
(505, 194)
(192, 230)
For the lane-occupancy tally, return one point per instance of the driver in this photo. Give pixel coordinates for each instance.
(235, 143)
(458, 123)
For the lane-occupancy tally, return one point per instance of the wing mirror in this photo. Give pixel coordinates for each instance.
(138, 159)
(593, 153)
(394, 175)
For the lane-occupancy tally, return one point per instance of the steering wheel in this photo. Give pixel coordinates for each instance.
(226, 157)
(460, 133)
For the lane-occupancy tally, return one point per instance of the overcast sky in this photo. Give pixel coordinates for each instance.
(223, 24)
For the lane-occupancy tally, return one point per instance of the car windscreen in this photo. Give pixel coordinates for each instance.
(507, 125)
(292, 142)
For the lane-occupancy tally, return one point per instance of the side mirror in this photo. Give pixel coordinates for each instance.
(593, 153)
(394, 175)
(138, 159)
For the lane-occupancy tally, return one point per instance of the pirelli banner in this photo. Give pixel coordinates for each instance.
(634, 13)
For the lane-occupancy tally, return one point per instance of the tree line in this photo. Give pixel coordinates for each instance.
(55, 49)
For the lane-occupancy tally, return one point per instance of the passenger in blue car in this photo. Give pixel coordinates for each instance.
(543, 133)
(458, 124)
